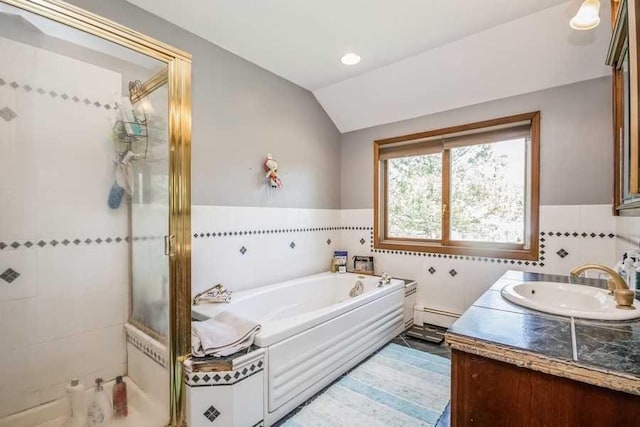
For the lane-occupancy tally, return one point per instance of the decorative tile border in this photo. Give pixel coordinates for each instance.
(461, 257)
(56, 94)
(85, 241)
(145, 238)
(544, 235)
(29, 244)
(143, 343)
(243, 249)
(583, 234)
(215, 234)
(223, 378)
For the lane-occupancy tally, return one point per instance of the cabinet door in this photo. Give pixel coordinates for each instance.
(624, 57)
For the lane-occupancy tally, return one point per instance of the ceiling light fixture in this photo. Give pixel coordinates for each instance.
(350, 59)
(588, 16)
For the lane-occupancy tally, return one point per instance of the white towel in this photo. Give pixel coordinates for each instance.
(222, 335)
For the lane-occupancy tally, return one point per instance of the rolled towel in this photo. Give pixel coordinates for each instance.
(222, 335)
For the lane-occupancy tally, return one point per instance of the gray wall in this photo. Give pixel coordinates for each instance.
(576, 143)
(241, 112)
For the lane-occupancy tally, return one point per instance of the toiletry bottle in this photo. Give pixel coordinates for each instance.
(75, 391)
(100, 411)
(621, 266)
(629, 276)
(120, 409)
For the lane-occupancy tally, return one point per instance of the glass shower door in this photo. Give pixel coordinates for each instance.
(149, 215)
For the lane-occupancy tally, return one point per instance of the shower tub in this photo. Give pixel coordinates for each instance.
(313, 331)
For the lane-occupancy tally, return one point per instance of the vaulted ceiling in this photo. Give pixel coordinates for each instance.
(418, 57)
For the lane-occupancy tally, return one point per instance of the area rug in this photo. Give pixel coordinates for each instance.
(397, 386)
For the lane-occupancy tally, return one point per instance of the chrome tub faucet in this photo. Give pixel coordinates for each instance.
(357, 289)
(385, 279)
(214, 294)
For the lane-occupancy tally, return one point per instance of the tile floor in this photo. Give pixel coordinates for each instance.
(438, 349)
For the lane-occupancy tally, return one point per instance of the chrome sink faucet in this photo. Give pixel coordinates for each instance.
(616, 284)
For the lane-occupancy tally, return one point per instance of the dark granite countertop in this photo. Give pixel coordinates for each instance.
(605, 347)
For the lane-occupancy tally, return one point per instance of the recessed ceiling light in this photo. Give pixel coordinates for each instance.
(350, 59)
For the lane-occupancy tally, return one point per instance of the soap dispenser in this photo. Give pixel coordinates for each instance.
(100, 410)
(629, 271)
(75, 391)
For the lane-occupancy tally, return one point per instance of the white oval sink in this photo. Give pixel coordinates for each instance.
(566, 299)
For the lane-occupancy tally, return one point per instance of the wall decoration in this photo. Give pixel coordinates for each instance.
(272, 177)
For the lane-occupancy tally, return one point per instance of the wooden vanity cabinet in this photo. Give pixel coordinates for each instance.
(489, 393)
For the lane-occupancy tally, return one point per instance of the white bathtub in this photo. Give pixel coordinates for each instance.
(313, 331)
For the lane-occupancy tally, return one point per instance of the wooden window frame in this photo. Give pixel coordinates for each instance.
(381, 241)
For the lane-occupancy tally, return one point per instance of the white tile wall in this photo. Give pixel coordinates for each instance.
(628, 231)
(269, 257)
(443, 291)
(63, 316)
(148, 375)
(238, 405)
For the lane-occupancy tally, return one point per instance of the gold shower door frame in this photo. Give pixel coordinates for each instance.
(179, 79)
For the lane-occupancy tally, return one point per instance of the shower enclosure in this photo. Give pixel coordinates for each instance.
(94, 214)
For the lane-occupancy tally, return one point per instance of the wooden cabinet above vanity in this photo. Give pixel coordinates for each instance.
(623, 56)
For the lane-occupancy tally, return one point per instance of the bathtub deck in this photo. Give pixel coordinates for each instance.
(143, 411)
(134, 419)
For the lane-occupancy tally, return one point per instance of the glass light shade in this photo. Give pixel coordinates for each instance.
(350, 59)
(588, 16)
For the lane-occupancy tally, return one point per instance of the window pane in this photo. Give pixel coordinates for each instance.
(415, 197)
(488, 192)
